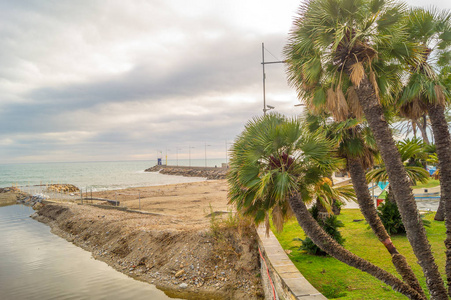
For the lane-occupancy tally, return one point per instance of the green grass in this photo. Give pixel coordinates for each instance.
(337, 280)
(431, 183)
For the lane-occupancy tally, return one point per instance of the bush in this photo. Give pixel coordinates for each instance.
(391, 218)
(330, 225)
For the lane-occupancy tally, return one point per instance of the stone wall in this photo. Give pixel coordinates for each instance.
(205, 172)
(288, 282)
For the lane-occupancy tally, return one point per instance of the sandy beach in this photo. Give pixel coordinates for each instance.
(186, 205)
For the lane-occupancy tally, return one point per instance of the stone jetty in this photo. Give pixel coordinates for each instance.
(34, 201)
(206, 172)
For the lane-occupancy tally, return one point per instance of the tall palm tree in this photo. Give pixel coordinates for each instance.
(432, 30)
(275, 165)
(348, 41)
(356, 145)
(426, 89)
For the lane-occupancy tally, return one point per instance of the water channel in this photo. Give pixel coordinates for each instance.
(35, 264)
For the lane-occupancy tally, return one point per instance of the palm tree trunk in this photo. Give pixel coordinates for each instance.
(402, 190)
(423, 129)
(443, 144)
(329, 245)
(368, 209)
(436, 114)
(414, 128)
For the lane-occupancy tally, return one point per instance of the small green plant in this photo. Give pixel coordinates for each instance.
(234, 220)
(330, 225)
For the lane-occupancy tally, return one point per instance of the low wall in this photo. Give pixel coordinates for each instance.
(205, 172)
(288, 282)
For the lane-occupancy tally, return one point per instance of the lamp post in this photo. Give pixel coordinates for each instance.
(166, 163)
(266, 107)
(189, 151)
(177, 154)
(206, 153)
(227, 151)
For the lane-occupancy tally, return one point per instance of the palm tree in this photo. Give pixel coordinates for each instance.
(428, 90)
(275, 165)
(356, 145)
(431, 29)
(361, 42)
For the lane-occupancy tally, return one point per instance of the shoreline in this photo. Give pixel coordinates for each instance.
(174, 242)
(193, 264)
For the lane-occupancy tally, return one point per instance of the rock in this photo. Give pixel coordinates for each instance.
(63, 188)
(183, 285)
(179, 273)
(38, 206)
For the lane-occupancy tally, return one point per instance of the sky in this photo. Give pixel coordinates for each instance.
(92, 80)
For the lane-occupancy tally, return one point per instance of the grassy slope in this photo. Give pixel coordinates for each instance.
(334, 278)
(431, 183)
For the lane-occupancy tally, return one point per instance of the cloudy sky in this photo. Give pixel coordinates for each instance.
(91, 80)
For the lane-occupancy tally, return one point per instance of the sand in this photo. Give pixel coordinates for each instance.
(189, 203)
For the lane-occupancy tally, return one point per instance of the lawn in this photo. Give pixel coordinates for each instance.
(337, 280)
(431, 183)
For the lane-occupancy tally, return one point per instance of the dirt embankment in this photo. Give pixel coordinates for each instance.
(197, 263)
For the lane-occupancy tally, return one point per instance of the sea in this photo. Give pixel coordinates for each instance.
(97, 176)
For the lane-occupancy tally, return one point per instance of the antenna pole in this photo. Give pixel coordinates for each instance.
(264, 79)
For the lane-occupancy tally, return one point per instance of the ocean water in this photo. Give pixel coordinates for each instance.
(95, 175)
(35, 264)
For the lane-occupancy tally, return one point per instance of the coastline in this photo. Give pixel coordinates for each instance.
(174, 247)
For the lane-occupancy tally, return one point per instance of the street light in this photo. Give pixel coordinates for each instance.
(269, 107)
(206, 153)
(227, 150)
(177, 154)
(167, 155)
(189, 151)
(266, 107)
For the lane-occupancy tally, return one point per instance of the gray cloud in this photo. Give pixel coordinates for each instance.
(87, 80)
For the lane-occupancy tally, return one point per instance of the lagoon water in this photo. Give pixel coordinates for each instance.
(94, 175)
(35, 264)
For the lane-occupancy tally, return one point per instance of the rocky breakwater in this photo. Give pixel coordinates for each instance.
(35, 201)
(209, 173)
(63, 188)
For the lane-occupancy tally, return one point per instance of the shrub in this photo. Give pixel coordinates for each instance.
(391, 218)
(330, 225)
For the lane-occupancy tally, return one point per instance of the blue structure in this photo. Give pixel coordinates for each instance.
(382, 184)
